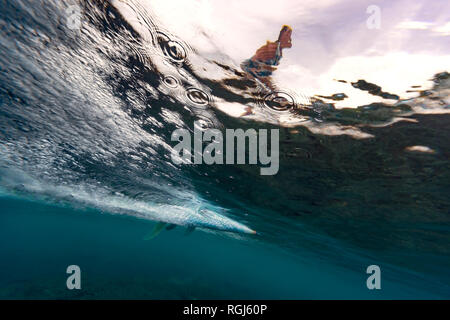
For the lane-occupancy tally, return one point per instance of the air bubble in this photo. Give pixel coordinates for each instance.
(279, 101)
(171, 48)
(197, 96)
(171, 81)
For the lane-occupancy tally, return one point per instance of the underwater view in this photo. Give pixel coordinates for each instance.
(169, 149)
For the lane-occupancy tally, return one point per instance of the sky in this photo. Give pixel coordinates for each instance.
(331, 40)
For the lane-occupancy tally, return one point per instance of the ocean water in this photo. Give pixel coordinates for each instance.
(87, 112)
(116, 263)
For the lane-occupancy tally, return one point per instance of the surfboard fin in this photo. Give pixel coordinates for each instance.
(156, 230)
(171, 226)
(189, 230)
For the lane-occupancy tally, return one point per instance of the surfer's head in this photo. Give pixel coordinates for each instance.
(285, 37)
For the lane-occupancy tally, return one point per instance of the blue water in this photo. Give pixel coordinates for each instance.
(40, 241)
(85, 174)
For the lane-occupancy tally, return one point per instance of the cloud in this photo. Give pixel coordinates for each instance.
(414, 25)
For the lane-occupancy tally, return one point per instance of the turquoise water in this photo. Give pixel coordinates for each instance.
(39, 242)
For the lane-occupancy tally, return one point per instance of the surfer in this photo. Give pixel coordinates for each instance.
(263, 62)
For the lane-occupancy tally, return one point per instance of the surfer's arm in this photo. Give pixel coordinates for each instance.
(266, 52)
